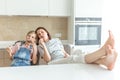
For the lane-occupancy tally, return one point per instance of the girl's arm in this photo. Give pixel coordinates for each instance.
(12, 49)
(34, 54)
(9, 50)
(46, 55)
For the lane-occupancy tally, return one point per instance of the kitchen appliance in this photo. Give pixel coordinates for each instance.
(88, 30)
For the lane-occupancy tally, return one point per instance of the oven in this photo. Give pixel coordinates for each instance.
(88, 30)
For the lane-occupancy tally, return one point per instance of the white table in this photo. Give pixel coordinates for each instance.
(60, 72)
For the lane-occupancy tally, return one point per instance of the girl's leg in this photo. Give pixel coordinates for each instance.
(92, 57)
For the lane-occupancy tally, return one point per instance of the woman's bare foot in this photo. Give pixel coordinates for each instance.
(110, 41)
(110, 59)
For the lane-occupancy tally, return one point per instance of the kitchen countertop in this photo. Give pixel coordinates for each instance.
(4, 44)
(60, 72)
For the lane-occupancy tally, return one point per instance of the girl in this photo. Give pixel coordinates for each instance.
(24, 54)
(53, 52)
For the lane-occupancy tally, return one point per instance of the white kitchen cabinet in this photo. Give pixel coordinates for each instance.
(35, 7)
(27, 7)
(59, 7)
(2, 7)
(88, 8)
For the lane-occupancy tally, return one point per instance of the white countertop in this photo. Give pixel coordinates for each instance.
(4, 44)
(59, 72)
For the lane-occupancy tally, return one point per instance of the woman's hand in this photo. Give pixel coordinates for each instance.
(41, 41)
(65, 53)
(46, 55)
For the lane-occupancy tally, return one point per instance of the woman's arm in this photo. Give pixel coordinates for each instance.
(46, 55)
(65, 53)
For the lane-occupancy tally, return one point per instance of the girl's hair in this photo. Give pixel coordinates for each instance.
(31, 32)
(49, 36)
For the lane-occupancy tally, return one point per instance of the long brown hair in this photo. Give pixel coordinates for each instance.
(49, 36)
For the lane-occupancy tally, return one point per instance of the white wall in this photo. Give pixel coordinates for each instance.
(111, 20)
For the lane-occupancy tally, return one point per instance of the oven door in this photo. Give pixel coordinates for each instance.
(87, 34)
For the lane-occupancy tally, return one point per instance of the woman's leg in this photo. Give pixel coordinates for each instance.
(109, 60)
(92, 57)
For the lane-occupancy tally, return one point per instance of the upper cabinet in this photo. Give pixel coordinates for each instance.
(59, 7)
(27, 7)
(2, 7)
(88, 8)
(35, 7)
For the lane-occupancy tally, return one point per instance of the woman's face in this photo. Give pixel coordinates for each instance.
(42, 34)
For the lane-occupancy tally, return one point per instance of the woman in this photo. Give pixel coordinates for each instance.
(53, 52)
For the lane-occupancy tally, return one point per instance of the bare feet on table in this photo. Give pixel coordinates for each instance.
(110, 59)
(110, 41)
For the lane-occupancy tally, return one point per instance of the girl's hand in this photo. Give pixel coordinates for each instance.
(33, 41)
(34, 45)
(9, 50)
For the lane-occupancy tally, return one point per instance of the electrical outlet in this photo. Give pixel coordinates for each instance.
(58, 35)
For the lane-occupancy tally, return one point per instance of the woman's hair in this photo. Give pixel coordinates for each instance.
(49, 36)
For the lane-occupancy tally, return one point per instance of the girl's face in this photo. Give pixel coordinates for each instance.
(31, 38)
(42, 34)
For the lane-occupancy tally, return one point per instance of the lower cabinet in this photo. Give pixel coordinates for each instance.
(4, 58)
